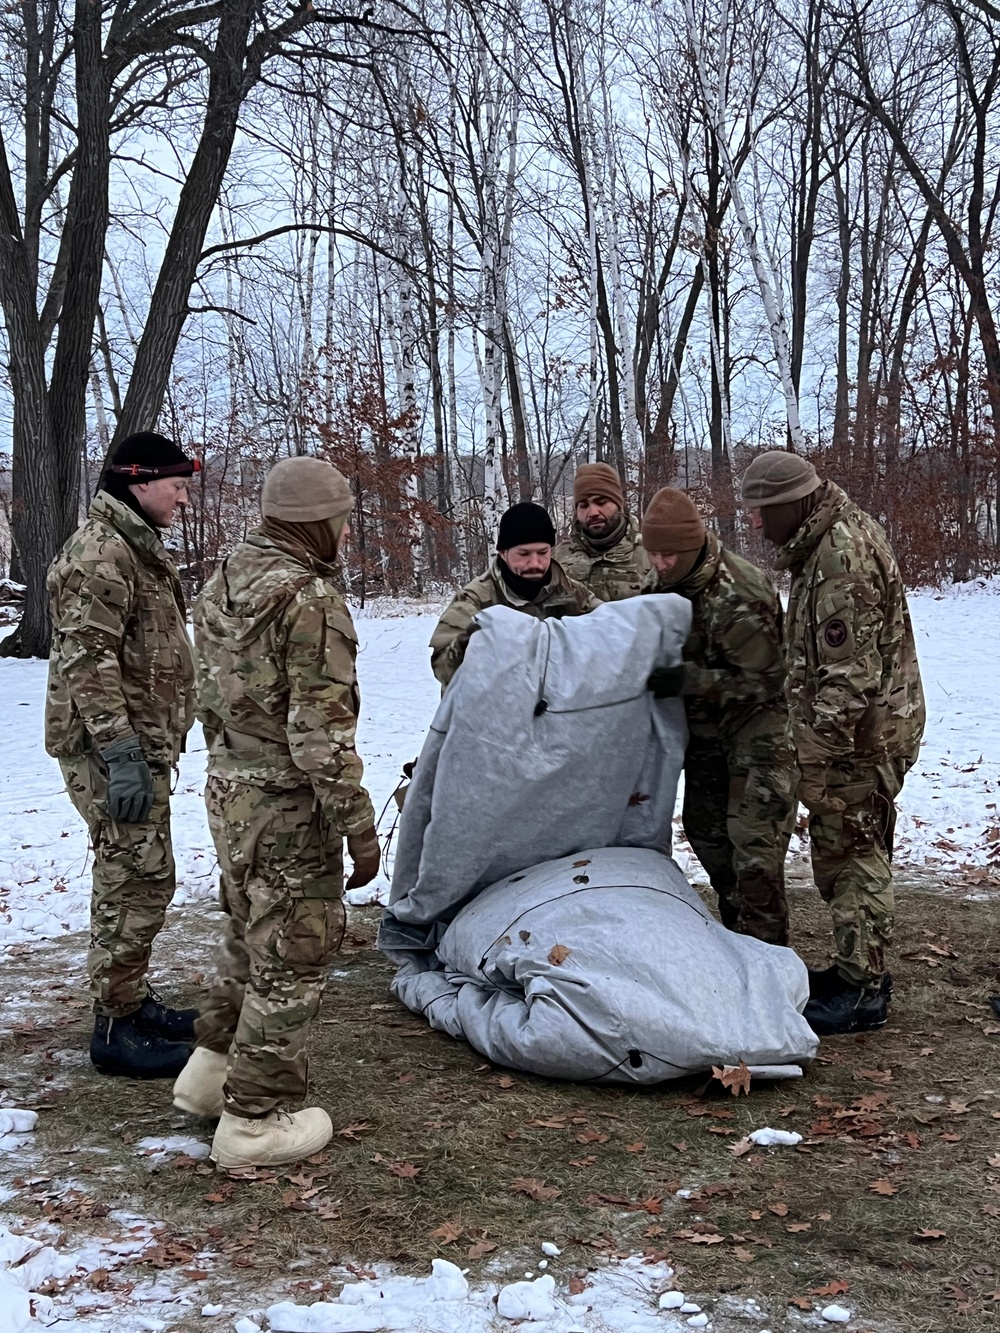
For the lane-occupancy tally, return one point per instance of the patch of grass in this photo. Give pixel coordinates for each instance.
(440, 1154)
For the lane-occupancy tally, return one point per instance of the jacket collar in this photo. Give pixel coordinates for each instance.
(832, 505)
(134, 529)
(556, 586)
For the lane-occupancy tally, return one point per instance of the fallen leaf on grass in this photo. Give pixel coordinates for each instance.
(743, 1256)
(505, 1081)
(950, 1138)
(405, 1170)
(778, 1209)
(837, 1287)
(480, 1248)
(590, 1136)
(993, 1161)
(741, 1147)
(800, 1302)
(734, 1077)
(534, 1188)
(635, 1147)
(353, 1131)
(799, 1226)
(580, 1162)
(698, 1237)
(558, 954)
(928, 1233)
(447, 1233)
(885, 1187)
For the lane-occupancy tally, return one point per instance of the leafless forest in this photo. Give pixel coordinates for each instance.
(458, 247)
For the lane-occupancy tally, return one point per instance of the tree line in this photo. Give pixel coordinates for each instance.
(458, 247)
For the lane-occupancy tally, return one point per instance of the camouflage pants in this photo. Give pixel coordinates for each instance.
(281, 885)
(134, 882)
(852, 867)
(738, 816)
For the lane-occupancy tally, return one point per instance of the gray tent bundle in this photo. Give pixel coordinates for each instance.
(535, 908)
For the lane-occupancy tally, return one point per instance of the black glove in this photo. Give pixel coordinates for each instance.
(666, 682)
(130, 783)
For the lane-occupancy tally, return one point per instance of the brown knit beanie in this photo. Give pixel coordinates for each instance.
(776, 478)
(671, 524)
(305, 490)
(598, 479)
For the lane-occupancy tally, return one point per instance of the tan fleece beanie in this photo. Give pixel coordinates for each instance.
(776, 478)
(671, 524)
(305, 490)
(598, 479)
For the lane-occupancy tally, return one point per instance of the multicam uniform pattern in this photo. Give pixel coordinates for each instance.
(120, 664)
(561, 596)
(611, 572)
(857, 713)
(278, 696)
(739, 769)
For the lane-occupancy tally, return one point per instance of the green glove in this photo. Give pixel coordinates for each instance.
(130, 783)
(666, 682)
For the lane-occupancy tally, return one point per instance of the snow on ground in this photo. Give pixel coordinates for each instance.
(948, 807)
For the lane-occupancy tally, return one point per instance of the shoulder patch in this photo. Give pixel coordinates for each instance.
(835, 633)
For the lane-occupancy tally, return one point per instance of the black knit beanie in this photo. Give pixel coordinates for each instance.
(523, 525)
(144, 456)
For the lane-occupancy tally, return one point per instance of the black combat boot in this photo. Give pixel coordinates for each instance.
(849, 1009)
(827, 981)
(174, 1024)
(125, 1046)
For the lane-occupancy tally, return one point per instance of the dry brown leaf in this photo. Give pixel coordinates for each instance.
(734, 1077)
(480, 1248)
(741, 1147)
(578, 864)
(352, 1131)
(835, 1288)
(534, 1188)
(590, 1136)
(928, 1233)
(798, 1226)
(885, 1187)
(505, 1081)
(778, 1209)
(993, 1161)
(577, 1285)
(447, 1233)
(635, 1147)
(405, 1170)
(580, 1162)
(558, 954)
(743, 1256)
(800, 1302)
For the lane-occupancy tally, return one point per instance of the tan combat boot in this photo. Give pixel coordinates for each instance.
(198, 1088)
(273, 1140)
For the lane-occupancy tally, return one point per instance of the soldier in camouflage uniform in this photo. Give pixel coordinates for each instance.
(857, 712)
(119, 704)
(278, 698)
(739, 770)
(523, 576)
(605, 550)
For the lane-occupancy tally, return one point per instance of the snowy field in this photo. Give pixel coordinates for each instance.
(948, 821)
(948, 824)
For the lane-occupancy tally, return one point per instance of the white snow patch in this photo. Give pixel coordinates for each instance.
(775, 1138)
(528, 1300)
(15, 1128)
(160, 1149)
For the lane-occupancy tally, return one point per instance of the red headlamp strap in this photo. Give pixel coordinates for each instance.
(186, 469)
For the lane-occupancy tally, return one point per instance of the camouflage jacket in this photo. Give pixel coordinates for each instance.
(561, 596)
(854, 687)
(612, 574)
(277, 687)
(735, 668)
(121, 658)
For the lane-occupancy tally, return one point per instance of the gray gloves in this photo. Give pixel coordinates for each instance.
(130, 783)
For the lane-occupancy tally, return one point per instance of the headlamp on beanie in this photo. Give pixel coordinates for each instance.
(147, 456)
